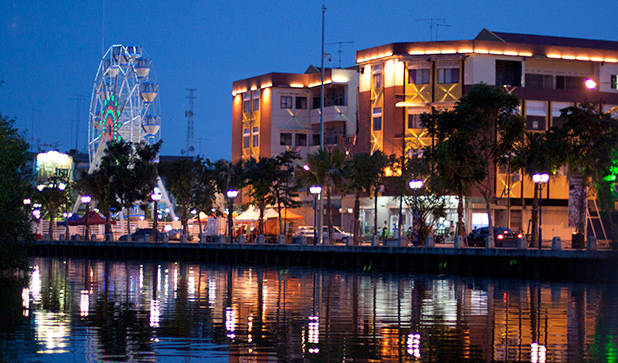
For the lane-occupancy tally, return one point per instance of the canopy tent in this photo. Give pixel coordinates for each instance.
(71, 219)
(204, 217)
(94, 218)
(249, 216)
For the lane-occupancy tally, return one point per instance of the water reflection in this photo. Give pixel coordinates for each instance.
(122, 311)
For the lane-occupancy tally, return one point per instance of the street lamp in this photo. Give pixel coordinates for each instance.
(66, 216)
(415, 185)
(315, 190)
(27, 202)
(86, 199)
(231, 194)
(540, 179)
(590, 83)
(156, 197)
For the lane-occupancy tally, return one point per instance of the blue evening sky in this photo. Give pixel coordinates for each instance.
(50, 50)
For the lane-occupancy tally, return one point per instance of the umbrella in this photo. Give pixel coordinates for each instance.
(94, 218)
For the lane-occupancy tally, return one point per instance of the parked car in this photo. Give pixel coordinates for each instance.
(503, 237)
(176, 235)
(145, 234)
(338, 234)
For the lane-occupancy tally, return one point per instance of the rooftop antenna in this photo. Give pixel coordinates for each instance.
(189, 147)
(433, 22)
(78, 105)
(340, 44)
(438, 28)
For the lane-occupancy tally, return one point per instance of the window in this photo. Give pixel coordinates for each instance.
(420, 76)
(335, 96)
(256, 103)
(300, 139)
(246, 137)
(377, 77)
(256, 136)
(508, 73)
(316, 102)
(539, 81)
(535, 122)
(315, 139)
(246, 106)
(286, 101)
(377, 123)
(613, 81)
(285, 139)
(448, 75)
(570, 82)
(377, 111)
(301, 103)
(414, 121)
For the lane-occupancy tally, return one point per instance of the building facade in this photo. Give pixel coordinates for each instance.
(400, 81)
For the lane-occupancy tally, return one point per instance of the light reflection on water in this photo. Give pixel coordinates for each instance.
(124, 311)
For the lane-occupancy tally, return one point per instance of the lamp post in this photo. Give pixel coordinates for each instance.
(540, 179)
(231, 194)
(86, 199)
(415, 185)
(315, 190)
(156, 197)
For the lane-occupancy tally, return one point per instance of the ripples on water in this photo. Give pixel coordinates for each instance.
(83, 310)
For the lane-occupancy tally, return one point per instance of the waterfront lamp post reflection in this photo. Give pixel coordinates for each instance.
(413, 344)
(231, 194)
(540, 179)
(313, 334)
(156, 197)
(86, 199)
(230, 322)
(315, 190)
(415, 185)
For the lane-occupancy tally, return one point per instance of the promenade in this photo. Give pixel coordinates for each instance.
(599, 265)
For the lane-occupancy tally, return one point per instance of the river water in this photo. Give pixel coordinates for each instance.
(91, 310)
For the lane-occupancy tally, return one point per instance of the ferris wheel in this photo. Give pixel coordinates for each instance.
(124, 104)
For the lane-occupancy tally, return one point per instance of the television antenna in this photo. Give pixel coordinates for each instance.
(339, 45)
(434, 22)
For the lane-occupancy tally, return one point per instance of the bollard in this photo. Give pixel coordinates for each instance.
(241, 239)
(93, 237)
(522, 243)
(556, 243)
(281, 239)
(61, 237)
(183, 238)
(429, 241)
(592, 243)
(459, 242)
(347, 240)
(260, 239)
(373, 240)
(109, 237)
(202, 238)
(46, 237)
(302, 240)
(221, 239)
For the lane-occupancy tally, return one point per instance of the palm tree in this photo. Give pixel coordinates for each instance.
(227, 176)
(260, 175)
(282, 192)
(325, 169)
(362, 173)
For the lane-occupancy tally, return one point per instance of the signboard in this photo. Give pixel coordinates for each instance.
(575, 200)
(53, 164)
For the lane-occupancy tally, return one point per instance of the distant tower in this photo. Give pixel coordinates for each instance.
(189, 147)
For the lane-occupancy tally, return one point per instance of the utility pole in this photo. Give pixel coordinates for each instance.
(437, 22)
(340, 44)
(78, 105)
(189, 147)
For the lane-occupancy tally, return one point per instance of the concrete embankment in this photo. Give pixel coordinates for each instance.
(526, 263)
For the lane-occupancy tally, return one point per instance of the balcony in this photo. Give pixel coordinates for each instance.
(331, 113)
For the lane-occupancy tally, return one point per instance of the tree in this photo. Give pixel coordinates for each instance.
(282, 191)
(183, 179)
(203, 199)
(54, 196)
(452, 158)
(591, 140)
(97, 185)
(132, 170)
(15, 186)
(325, 169)
(227, 176)
(539, 153)
(486, 121)
(363, 173)
(261, 175)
